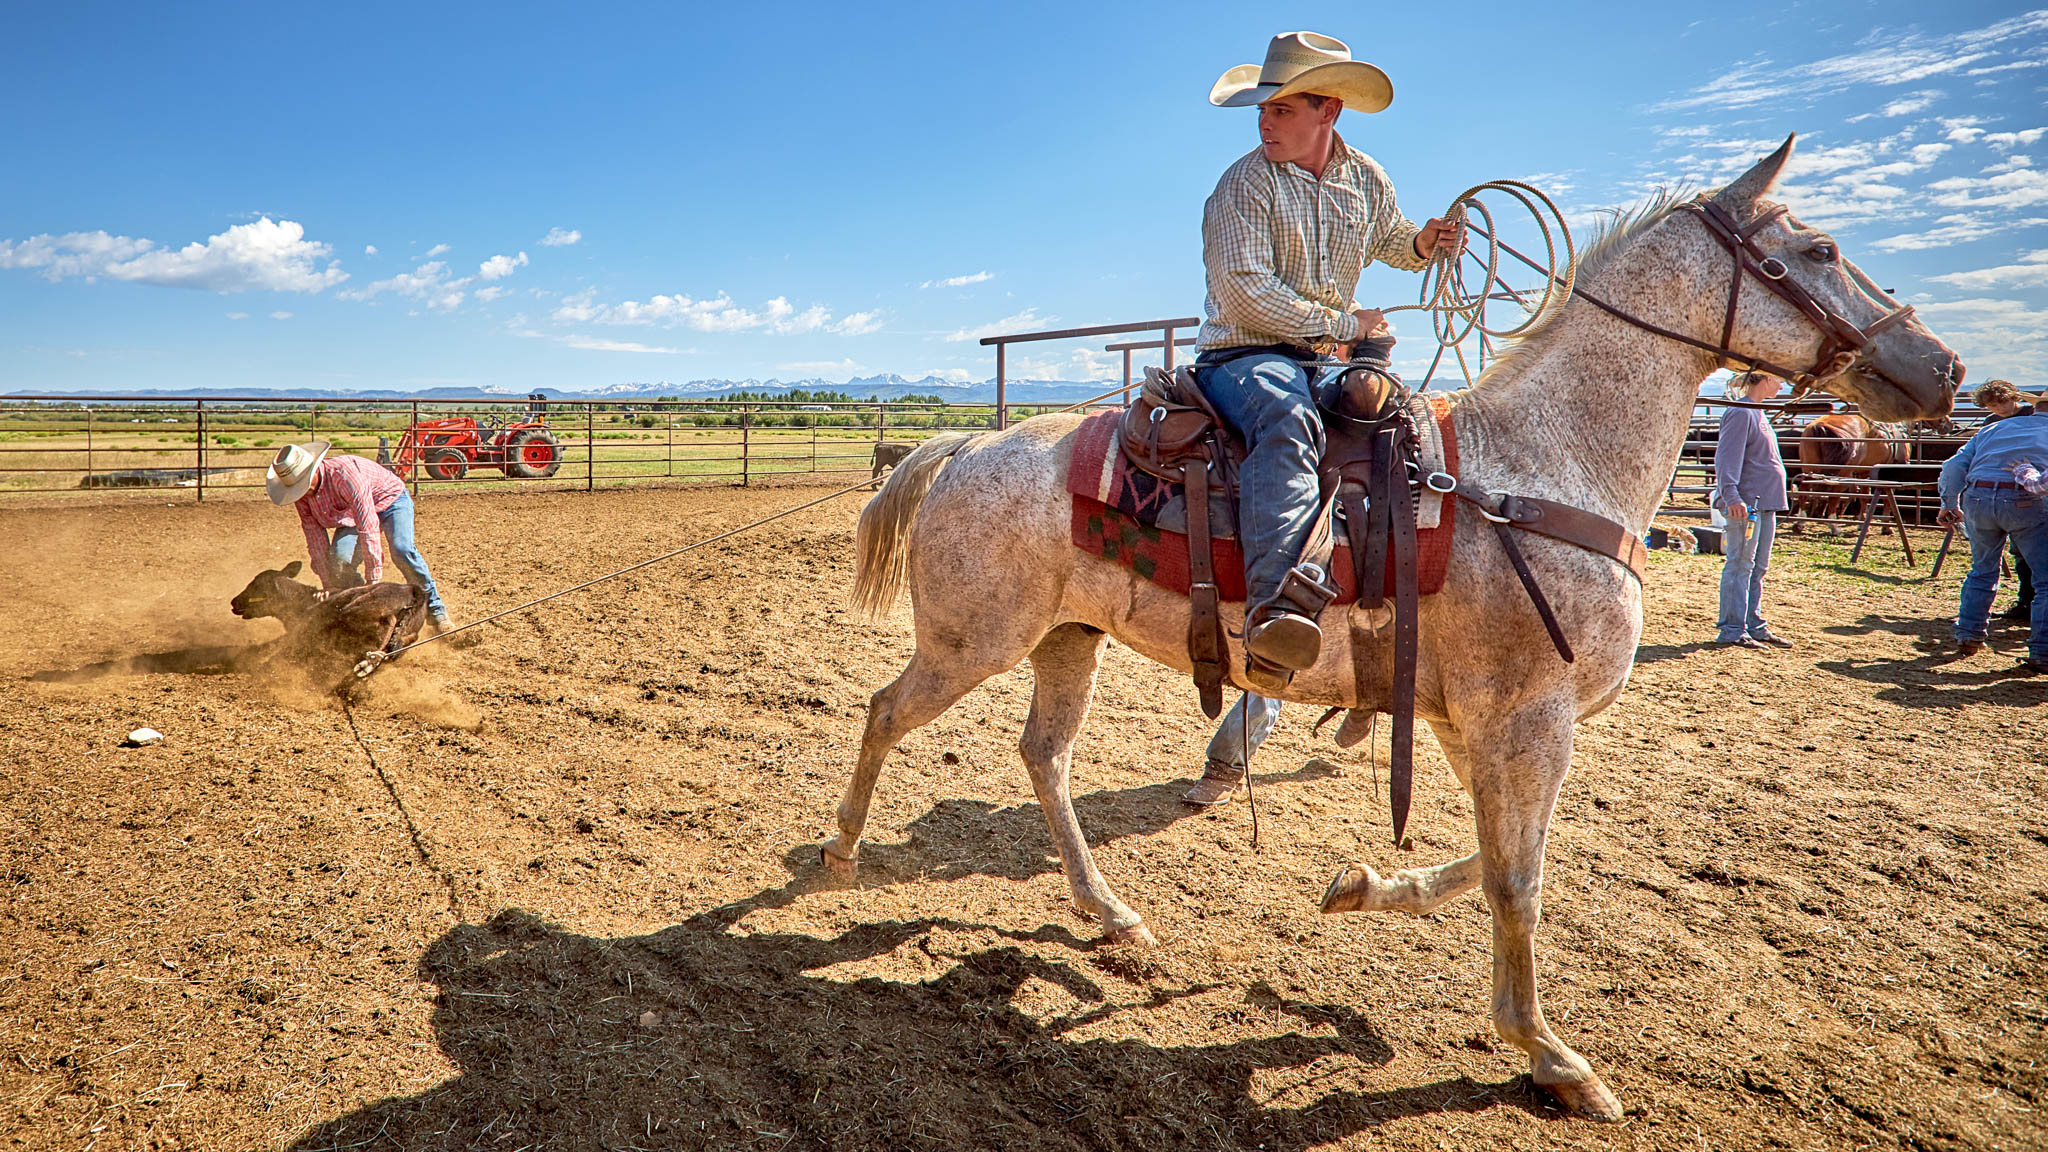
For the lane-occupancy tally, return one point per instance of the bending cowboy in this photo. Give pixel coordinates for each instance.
(366, 507)
(1285, 236)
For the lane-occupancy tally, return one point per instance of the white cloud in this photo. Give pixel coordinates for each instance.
(1960, 228)
(1994, 337)
(1905, 105)
(857, 324)
(429, 283)
(959, 281)
(491, 293)
(2012, 66)
(717, 314)
(2020, 188)
(436, 250)
(267, 255)
(1023, 321)
(2007, 141)
(1964, 129)
(593, 344)
(2030, 272)
(369, 249)
(238, 315)
(821, 367)
(560, 237)
(499, 267)
(280, 315)
(1887, 58)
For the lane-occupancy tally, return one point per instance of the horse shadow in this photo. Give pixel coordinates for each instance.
(957, 838)
(1658, 653)
(709, 1035)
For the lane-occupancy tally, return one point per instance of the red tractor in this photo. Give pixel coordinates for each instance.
(449, 448)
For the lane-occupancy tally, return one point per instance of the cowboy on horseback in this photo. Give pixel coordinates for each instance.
(1285, 235)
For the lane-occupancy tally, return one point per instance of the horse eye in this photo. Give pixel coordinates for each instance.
(1821, 253)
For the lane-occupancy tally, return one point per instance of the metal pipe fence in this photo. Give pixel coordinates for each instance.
(1900, 496)
(96, 448)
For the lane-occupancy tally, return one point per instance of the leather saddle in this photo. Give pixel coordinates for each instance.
(1371, 471)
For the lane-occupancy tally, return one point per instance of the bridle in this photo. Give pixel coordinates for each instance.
(1841, 341)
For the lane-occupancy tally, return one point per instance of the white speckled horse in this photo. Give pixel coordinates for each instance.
(1591, 412)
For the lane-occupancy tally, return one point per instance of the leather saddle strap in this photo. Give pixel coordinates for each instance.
(1205, 622)
(1594, 533)
(1536, 597)
(1407, 606)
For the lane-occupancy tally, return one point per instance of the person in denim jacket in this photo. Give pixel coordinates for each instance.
(1749, 489)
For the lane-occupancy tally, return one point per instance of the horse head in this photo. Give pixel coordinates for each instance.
(1822, 310)
(274, 593)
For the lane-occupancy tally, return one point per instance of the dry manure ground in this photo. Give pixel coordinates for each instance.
(570, 899)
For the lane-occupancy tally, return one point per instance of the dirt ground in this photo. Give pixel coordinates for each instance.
(569, 897)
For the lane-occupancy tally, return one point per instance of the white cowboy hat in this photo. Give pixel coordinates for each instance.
(291, 473)
(1305, 62)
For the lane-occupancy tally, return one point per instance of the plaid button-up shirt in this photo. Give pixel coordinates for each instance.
(1284, 250)
(352, 490)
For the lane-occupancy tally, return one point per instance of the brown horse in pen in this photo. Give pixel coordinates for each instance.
(1836, 451)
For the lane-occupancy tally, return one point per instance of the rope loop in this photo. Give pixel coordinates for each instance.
(1457, 306)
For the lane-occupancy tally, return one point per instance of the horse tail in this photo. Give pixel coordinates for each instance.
(883, 565)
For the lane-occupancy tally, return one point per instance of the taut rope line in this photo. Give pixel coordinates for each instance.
(370, 663)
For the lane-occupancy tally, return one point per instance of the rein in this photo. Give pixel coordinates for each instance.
(1841, 340)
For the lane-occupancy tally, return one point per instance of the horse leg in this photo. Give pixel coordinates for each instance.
(926, 688)
(1416, 891)
(1063, 679)
(1518, 765)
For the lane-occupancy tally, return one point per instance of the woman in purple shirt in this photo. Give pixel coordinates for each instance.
(1749, 489)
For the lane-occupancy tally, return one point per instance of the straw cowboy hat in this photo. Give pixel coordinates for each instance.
(291, 473)
(1305, 63)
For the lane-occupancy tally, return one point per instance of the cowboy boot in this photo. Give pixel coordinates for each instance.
(1281, 636)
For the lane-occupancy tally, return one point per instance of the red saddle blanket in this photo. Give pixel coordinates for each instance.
(1116, 509)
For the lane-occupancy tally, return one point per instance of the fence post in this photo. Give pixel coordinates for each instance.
(1002, 410)
(590, 445)
(418, 465)
(88, 444)
(199, 448)
(746, 445)
(668, 455)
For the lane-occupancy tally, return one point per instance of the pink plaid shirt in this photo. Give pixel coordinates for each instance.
(351, 491)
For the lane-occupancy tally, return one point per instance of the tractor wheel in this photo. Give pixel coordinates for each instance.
(533, 454)
(448, 464)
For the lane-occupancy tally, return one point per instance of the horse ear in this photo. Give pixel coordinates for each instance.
(1752, 185)
(292, 569)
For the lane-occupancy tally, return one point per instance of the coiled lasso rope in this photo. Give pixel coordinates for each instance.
(1457, 311)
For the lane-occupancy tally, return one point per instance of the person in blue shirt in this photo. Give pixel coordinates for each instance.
(1982, 489)
(1749, 489)
(2003, 401)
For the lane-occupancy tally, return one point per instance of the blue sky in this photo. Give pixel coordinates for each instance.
(531, 196)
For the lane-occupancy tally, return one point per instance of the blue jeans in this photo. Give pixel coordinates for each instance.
(1265, 399)
(396, 521)
(1747, 544)
(1990, 519)
(1234, 745)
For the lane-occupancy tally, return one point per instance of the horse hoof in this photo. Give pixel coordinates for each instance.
(1137, 935)
(1587, 1099)
(1350, 890)
(835, 864)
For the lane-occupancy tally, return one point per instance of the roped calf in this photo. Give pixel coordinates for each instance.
(369, 622)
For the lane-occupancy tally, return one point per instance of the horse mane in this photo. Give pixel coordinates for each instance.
(1611, 238)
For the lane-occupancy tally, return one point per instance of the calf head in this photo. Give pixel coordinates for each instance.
(274, 593)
